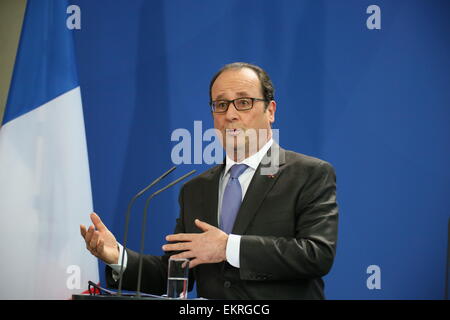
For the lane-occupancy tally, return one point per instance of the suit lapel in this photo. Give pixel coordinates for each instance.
(211, 196)
(258, 189)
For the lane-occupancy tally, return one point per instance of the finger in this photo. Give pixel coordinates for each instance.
(83, 231)
(181, 237)
(89, 234)
(193, 263)
(94, 241)
(183, 255)
(180, 246)
(100, 247)
(97, 222)
(203, 225)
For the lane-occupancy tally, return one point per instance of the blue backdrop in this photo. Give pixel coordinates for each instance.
(374, 103)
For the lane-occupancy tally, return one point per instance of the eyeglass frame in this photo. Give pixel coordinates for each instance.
(211, 103)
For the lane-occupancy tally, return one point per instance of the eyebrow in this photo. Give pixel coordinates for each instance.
(239, 94)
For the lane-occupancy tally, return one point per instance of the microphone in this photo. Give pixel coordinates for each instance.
(144, 222)
(127, 220)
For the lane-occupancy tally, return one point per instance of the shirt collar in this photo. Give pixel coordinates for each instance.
(252, 161)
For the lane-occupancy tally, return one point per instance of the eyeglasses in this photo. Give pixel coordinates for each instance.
(241, 104)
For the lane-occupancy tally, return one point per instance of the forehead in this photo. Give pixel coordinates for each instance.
(236, 82)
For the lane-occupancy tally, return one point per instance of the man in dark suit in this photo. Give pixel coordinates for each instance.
(263, 225)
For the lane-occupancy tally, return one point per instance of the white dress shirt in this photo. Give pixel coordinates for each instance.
(234, 241)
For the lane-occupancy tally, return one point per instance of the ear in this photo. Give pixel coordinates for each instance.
(271, 108)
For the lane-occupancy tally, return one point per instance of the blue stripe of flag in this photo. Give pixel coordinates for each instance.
(45, 62)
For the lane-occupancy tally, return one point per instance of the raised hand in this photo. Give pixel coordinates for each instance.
(206, 247)
(100, 241)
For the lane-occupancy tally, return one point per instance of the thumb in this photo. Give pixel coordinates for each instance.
(98, 224)
(203, 225)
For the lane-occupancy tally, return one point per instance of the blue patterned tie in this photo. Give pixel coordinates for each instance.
(232, 198)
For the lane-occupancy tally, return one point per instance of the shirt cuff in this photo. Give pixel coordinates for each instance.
(233, 249)
(116, 267)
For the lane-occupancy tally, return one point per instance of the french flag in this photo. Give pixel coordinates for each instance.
(45, 188)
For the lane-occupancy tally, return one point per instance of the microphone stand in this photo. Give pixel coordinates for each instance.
(127, 221)
(144, 222)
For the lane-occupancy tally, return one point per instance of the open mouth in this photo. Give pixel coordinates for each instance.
(233, 132)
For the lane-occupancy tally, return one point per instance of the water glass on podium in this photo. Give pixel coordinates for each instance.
(177, 278)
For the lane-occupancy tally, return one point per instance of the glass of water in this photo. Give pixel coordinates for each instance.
(177, 278)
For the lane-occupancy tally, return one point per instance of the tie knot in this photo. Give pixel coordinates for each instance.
(236, 170)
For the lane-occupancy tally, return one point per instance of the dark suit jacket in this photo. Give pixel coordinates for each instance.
(288, 222)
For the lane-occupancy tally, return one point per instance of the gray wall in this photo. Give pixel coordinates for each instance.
(11, 17)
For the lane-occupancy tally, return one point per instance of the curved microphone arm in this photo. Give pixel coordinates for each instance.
(144, 223)
(127, 221)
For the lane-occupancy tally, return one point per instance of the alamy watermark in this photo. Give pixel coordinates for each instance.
(73, 21)
(74, 279)
(374, 280)
(373, 22)
(237, 143)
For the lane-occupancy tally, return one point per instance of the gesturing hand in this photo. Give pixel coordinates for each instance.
(206, 247)
(100, 241)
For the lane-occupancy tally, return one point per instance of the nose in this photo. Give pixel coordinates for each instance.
(232, 114)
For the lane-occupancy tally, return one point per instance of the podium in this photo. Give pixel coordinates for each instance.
(97, 292)
(115, 297)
